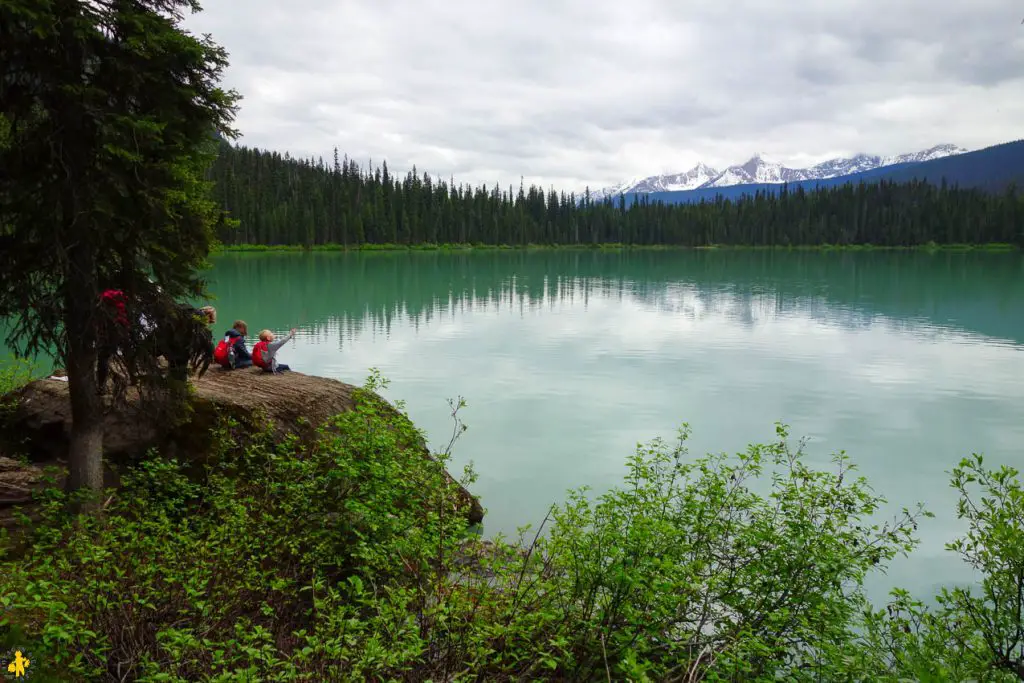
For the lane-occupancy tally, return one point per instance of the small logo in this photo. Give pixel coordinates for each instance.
(15, 665)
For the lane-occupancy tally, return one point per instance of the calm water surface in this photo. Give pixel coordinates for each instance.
(907, 361)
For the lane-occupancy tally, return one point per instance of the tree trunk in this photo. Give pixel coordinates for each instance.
(85, 447)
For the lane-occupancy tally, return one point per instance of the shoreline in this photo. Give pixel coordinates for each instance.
(466, 247)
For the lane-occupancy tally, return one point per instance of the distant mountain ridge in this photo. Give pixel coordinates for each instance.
(991, 169)
(758, 169)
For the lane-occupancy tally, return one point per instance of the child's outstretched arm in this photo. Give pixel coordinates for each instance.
(278, 343)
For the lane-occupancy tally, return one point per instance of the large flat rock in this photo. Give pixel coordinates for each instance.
(288, 402)
(39, 426)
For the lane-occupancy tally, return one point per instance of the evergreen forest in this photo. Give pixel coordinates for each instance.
(281, 200)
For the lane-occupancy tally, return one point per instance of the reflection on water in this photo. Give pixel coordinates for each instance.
(975, 292)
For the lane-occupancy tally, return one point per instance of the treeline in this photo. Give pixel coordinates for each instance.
(283, 200)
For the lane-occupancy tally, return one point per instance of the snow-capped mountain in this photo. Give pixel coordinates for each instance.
(698, 176)
(759, 169)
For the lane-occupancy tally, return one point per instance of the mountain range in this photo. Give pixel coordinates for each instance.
(759, 169)
(990, 169)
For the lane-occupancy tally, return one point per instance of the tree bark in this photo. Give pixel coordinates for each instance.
(85, 447)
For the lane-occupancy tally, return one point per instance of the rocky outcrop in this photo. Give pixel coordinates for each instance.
(38, 422)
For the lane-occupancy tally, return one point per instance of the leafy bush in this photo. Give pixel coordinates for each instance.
(348, 559)
(16, 373)
(971, 633)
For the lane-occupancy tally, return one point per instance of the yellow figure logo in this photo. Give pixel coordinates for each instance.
(18, 666)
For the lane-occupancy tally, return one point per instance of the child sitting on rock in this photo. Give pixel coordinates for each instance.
(230, 352)
(264, 353)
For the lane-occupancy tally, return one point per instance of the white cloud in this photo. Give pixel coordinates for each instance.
(574, 92)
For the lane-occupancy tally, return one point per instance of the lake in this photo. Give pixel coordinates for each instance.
(567, 359)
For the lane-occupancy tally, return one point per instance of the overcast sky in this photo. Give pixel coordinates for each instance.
(572, 93)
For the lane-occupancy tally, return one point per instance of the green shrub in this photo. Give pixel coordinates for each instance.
(16, 373)
(973, 632)
(347, 559)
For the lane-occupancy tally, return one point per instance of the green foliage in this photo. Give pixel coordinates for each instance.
(108, 126)
(244, 571)
(971, 632)
(5, 131)
(110, 110)
(16, 373)
(687, 571)
(280, 200)
(346, 559)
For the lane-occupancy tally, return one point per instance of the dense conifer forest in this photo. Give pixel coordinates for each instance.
(283, 200)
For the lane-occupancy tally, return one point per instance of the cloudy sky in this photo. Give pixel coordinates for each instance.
(572, 93)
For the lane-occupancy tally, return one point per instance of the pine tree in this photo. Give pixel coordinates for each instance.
(112, 110)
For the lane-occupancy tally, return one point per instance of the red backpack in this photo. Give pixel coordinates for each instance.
(258, 349)
(222, 354)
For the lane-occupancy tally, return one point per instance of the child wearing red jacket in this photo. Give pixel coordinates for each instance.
(264, 353)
